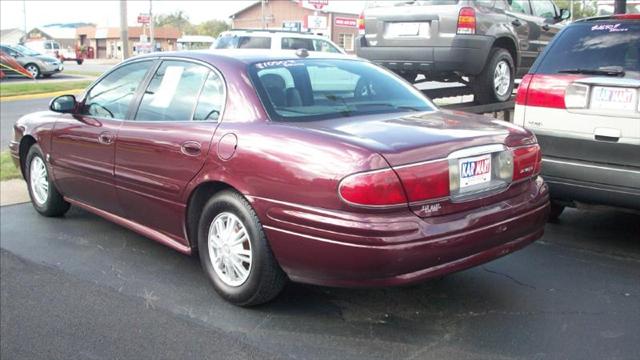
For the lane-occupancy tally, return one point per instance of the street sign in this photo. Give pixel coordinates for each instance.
(292, 25)
(346, 22)
(318, 4)
(317, 22)
(144, 19)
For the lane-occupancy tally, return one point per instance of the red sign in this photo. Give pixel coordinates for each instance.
(319, 4)
(346, 22)
(144, 19)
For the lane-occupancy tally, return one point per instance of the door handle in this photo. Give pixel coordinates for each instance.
(191, 148)
(516, 22)
(545, 27)
(105, 138)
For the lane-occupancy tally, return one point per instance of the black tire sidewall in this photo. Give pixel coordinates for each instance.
(485, 91)
(231, 202)
(33, 152)
(39, 74)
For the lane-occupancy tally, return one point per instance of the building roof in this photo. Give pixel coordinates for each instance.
(333, 7)
(58, 32)
(5, 32)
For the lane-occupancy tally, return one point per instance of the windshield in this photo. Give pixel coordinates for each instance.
(309, 90)
(25, 50)
(594, 47)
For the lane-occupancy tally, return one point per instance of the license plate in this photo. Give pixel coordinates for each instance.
(474, 170)
(613, 98)
(404, 29)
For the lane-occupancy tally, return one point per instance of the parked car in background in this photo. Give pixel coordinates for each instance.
(488, 42)
(581, 99)
(38, 65)
(53, 48)
(270, 172)
(274, 40)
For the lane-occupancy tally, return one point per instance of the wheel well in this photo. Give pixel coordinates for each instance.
(197, 200)
(508, 45)
(25, 144)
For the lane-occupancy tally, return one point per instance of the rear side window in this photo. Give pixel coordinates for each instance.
(211, 99)
(593, 46)
(520, 6)
(254, 42)
(297, 43)
(543, 8)
(173, 92)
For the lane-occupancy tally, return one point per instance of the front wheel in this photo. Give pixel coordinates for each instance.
(44, 196)
(33, 69)
(495, 82)
(234, 251)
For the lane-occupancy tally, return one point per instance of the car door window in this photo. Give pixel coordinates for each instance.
(324, 46)
(544, 9)
(520, 6)
(291, 43)
(211, 99)
(111, 97)
(254, 42)
(173, 92)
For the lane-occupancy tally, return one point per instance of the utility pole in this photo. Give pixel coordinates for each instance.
(620, 7)
(153, 46)
(24, 16)
(124, 29)
(262, 13)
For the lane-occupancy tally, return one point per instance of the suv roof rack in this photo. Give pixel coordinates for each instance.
(611, 17)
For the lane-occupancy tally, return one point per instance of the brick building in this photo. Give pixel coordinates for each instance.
(302, 15)
(107, 44)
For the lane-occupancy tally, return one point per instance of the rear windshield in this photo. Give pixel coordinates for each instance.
(595, 46)
(242, 42)
(309, 90)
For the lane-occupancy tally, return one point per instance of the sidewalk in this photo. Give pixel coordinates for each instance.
(13, 192)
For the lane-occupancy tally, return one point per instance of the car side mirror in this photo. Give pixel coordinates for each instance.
(63, 104)
(564, 14)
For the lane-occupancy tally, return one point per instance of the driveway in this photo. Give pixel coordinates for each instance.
(81, 287)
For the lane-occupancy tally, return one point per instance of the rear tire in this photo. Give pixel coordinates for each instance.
(220, 259)
(79, 61)
(45, 198)
(495, 82)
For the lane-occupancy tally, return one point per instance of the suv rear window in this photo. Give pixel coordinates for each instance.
(310, 90)
(593, 46)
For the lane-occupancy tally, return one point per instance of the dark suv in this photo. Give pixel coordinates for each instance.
(488, 41)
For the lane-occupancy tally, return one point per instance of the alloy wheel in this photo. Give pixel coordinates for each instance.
(502, 78)
(38, 180)
(229, 249)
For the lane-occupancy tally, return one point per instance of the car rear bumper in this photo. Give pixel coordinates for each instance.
(467, 54)
(595, 183)
(334, 248)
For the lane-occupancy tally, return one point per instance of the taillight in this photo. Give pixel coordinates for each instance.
(361, 24)
(427, 181)
(467, 21)
(374, 188)
(576, 96)
(546, 90)
(523, 88)
(526, 161)
(627, 16)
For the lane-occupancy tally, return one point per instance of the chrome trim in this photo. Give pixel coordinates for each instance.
(589, 166)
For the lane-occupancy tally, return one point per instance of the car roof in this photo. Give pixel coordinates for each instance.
(246, 56)
(271, 32)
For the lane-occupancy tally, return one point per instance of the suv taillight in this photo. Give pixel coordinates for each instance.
(361, 24)
(467, 21)
(548, 91)
(372, 188)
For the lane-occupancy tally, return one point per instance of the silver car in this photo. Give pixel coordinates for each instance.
(38, 65)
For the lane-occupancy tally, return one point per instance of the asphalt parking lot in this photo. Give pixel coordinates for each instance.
(575, 294)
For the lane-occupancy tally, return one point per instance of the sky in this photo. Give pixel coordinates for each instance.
(107, 12)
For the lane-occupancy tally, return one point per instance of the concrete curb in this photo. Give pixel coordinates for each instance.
(13, 191)
(40, 96)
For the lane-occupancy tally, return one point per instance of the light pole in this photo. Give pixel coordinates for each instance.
(124, 29)
(620, 7)
(153, 47)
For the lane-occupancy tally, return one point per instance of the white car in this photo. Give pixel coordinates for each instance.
(582, 100)
(274, 40)
(53, 48)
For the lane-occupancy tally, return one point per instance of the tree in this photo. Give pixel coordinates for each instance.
(177, 19)
(210, 28)
(579, 8)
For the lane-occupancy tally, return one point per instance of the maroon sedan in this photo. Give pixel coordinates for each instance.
(322, 169)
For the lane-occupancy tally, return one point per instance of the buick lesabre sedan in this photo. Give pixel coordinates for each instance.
(321, 169)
